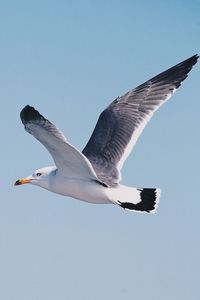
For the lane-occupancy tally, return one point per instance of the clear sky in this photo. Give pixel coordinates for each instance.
(70, 59)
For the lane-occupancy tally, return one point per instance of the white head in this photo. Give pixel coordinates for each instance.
(41, 177)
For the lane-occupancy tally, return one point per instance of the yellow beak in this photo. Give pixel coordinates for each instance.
(22, 181)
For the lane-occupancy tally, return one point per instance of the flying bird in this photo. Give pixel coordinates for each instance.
(94, 174)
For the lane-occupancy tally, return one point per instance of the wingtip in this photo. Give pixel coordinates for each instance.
(194, 58)
(29, 113)
(191, 61)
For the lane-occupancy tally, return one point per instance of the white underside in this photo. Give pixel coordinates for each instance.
(90, 191)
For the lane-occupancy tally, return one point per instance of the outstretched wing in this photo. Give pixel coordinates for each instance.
(122, 122)
(69, 161)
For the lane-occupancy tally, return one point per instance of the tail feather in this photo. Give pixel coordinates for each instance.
(148, 200)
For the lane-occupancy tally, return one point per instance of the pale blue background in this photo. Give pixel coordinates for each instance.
(70, 59)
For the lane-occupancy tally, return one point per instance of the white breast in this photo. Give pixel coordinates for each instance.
(89, 191)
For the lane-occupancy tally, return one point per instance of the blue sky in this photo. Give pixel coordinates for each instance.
(70, 60)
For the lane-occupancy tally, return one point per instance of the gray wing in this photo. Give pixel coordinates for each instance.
(121, 123)
(69, 161)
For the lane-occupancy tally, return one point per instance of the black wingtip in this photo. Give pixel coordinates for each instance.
(29, 113)
(176, 74)
(195, 57)
(191, 61)
(186, 65)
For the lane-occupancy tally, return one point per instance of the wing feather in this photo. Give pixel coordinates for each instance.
(69, 161)
(122, 122)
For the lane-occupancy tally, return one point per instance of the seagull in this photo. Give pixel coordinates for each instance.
(94, 175)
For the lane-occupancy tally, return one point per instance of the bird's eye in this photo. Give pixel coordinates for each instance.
(38, 174)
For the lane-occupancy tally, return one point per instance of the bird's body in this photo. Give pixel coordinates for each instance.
(91, 191)
(82, 189)
(94, 175)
